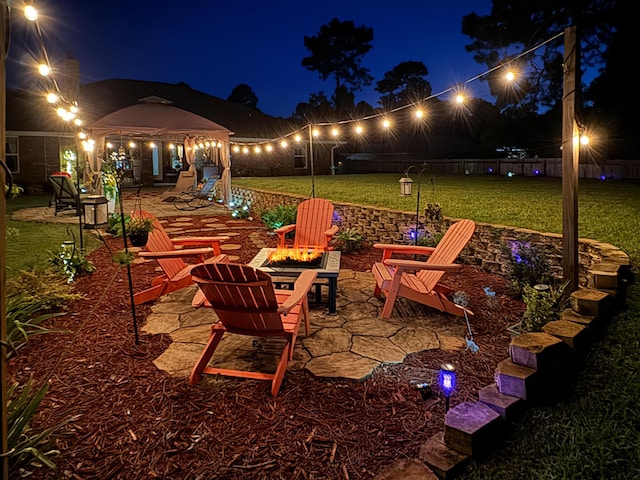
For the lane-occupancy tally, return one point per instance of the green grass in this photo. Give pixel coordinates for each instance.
(589, 433)
(34, 241)
(607, 210)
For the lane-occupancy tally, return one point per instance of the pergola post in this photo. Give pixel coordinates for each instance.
(570, 158)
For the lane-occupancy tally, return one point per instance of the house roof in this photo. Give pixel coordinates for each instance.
(30, 112)
(158, 119)
(106, 96)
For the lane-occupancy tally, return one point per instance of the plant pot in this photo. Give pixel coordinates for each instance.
(139, 239)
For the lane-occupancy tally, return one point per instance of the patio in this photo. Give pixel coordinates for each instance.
(348, 407)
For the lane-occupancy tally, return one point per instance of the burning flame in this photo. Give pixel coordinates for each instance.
(294, 254)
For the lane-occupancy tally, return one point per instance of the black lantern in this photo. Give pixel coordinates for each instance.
(95, 211)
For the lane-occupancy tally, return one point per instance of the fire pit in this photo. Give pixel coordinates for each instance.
(292, 257)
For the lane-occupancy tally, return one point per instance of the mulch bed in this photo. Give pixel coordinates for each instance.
(136, 422)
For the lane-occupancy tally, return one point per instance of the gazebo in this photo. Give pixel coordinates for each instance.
(153, 119)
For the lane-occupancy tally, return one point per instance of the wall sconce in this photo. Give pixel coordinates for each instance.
(405, 186)
(95, 211)
(447, 380)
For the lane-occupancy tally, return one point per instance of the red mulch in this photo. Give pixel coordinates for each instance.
(136, 422)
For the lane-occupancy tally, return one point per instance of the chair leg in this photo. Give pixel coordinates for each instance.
(282, 368)
(205, 356)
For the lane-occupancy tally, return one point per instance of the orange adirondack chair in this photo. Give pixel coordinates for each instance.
(313, 229)
(176, 272)
(247, 304)
(395, 276)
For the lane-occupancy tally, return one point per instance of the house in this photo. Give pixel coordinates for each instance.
(40, 143)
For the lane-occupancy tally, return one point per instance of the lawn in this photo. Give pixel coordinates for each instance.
(592, 432)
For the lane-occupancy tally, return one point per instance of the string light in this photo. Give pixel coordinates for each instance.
(68, 109)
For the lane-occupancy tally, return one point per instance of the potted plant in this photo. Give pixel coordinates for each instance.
(138, 230)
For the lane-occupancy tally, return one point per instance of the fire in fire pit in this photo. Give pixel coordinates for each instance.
(292, 257)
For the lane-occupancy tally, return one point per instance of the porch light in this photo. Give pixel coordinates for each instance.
(405, 186)
(447, 381)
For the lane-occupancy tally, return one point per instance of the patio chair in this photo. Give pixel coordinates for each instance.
(395, 277)
(246, 303)
(194, 199)
(186, 180)
(176, 273)
(313, 229)
(65, 195)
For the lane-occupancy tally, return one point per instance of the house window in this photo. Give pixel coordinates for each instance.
(13, 161)
(300, 156)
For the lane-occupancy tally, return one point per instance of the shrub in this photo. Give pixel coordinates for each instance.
(526, 265)
(543, 306)
(279, 216)
(70, 262)
(348, 240)
(27, 449)
(429, 239)
(42, 285)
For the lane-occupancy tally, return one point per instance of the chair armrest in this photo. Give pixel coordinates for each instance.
(185, 252)
(390, 249)
(285, 229)
(213, 242)
(301, 287)
(415, 265)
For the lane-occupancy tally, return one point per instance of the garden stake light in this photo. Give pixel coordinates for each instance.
(447, 380)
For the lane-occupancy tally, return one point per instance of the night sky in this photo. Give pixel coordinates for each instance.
(214, 46)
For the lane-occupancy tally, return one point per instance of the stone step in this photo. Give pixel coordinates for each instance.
(591, 302)
(575, 336)
(472, 428)
(506, 405)
(595, 326)
(539, 350)
(443, 460)
(406, 469)
(518, 381)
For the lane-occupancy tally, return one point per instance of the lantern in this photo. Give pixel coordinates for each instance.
(405, 186)
(95, 211)
(447, 380)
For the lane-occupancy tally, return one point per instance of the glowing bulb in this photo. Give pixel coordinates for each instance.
(172, 146)
(82, 135)
(109, 145)
(297, 138)
(584, 140)
(30, 13)
(52, 98)
(245, 150)
(152, 145)
(419, 114)
(77, 122)
(284, 144)
(269, 148)
(257, 149)
(510, 76)
(386, 124)
(219, 145)
(459, 99)
(315, 132)
(61, 112)
(359, 129)
(335, 132)
(132, 145)
(73, 109)
(236, 148)
(43, 69)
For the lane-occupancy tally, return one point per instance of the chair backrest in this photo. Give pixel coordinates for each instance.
(449, 247)
(242, 297)
(63, 187)
(159, 241)
(186, 180)
(313, 218)
(208, 186)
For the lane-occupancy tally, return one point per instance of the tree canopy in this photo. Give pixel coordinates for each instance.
(404, 84)
(337, 50)
(243, 94)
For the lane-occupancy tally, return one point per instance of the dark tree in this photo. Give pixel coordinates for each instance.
(243, 94)
(337, 51)
(404, 84)
(514, 27)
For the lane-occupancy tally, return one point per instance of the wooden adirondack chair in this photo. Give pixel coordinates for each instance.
(395, 276)
(65, 194)
(176, 273)
(313, 229)
(246, 303)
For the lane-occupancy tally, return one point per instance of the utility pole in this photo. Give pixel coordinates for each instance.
(570, 157)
